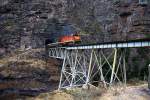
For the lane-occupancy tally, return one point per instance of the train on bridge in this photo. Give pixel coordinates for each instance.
(74, 39)
(65, 40)
(69, 39)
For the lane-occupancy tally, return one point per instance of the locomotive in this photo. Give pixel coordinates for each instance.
(70, 39)
(64, 40)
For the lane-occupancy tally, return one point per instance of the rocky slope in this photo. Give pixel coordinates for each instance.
(28, 73)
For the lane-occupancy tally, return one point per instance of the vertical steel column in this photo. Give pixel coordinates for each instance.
(74, 69)
(124, 68)
(89, 70)
(64, 60)
(113, 67)
(99, 65)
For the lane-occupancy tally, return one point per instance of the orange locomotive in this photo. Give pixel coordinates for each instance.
(64, 40)
(69, 39)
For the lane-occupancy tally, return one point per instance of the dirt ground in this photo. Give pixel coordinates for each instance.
(130, 93)
(117, 93)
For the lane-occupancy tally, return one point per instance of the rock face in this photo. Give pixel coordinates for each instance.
(28, 23)
(116, 19)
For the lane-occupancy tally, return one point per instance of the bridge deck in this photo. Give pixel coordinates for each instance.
(117, 44)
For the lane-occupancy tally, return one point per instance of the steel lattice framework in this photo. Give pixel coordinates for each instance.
(94, 64)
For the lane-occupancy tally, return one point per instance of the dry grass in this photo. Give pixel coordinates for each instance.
(126, 93)
(113, 93)
(90, 93)
(56, 95)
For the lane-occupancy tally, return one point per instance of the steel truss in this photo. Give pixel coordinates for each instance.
(92, 66)
(57, 52)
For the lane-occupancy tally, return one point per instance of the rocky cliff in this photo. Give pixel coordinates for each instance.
(111, 19)
(28, 23)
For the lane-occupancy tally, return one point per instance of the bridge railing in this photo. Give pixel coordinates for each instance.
(57, 52)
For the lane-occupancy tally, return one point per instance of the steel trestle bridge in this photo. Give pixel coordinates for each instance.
(101, 63)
